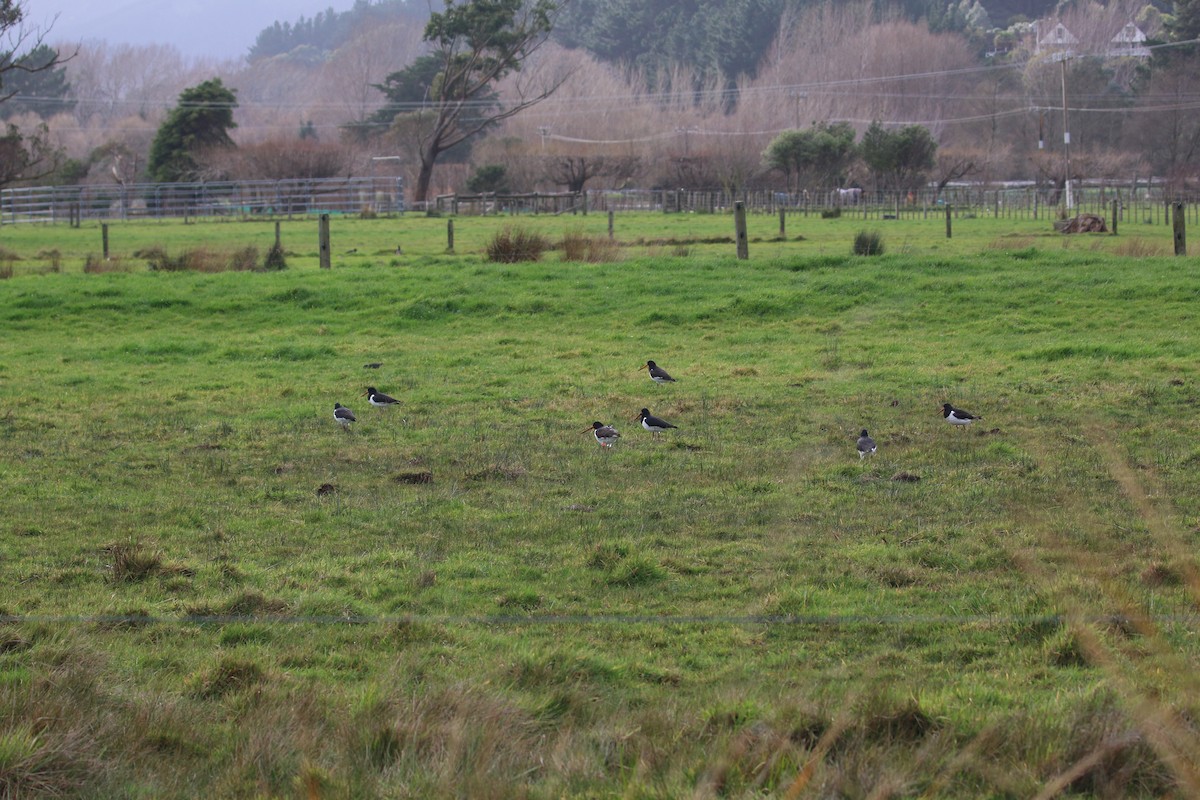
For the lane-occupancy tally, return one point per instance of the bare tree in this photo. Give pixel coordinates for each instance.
(277, 159)
(955, 164)
(347, 79)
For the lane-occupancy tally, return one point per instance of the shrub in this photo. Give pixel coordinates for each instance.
(488, 179)
(868, 243)
(244, 260)
(275, 259)
(512, 245)
(830, 213)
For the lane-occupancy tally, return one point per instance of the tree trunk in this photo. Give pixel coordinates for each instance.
(424, 177)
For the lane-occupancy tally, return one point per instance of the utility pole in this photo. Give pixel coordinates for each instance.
(1066, 132)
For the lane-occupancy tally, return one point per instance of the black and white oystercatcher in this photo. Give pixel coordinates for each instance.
(956, 416)
(866, 445)
(342, 415)
(606, 435)
(379, 399)
(652, 423)
(657, 373)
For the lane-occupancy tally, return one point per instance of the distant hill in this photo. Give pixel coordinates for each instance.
(328, 30)
(215, 28)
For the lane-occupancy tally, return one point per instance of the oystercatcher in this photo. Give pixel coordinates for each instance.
(956, 416)
(379, 399)
(342, 415)
(652, 423)
(606, 435)
(866, 445)
(657, 373)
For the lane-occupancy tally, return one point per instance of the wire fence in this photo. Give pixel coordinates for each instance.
(1149, 203)
(283, 198)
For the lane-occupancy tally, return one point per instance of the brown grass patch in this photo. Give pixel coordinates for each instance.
(1140, 248)
(576, 246)
(201, 259)
(1011, 243)
(95, 265)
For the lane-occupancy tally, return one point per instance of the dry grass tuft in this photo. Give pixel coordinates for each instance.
(53, 259)
(46, 764)
(130, 562)
(229, 675)
(1140, 248)
(94, 265)
(1011, 243)
(513, 245)
(576, 246)
(201, 259)
(455, 742)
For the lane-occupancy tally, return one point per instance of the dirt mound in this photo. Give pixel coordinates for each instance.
(1084, 223)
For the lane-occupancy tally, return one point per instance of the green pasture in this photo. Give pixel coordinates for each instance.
(39, 248)
(210, 589)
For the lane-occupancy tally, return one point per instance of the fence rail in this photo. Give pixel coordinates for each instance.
(224, 199)
(1141, 203)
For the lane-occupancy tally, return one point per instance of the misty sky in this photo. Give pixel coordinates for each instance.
(219, 28)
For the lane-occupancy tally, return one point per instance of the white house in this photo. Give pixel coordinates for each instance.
(1129, 42)
(1057, 39)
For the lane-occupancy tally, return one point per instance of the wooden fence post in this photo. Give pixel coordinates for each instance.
(1116, 206)
(449, 236)
(1180, 227)
(739, 224)
(278, 239)
(947, 220)
(104, 238)
(323, 236)
(610, 223)
(782, 224)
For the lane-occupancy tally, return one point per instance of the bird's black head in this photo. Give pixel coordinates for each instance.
(947, 408)
(651, 364)
(645, 412)
(864, 432)
(597, 426)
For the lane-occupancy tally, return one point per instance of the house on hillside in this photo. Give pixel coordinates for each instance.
(1129, 42)
(1055, 40)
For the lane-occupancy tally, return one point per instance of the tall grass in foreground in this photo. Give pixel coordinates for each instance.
(209, 584)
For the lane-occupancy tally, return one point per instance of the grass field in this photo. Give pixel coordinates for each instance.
(211, 589)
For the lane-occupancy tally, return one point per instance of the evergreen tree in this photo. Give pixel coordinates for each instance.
(818, 156)
(476, 43)
(35, 84)
(1184, 22)
(899, 159)
(200, 121)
